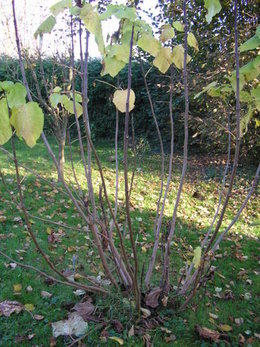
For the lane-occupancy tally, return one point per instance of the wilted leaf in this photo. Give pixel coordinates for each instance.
(152, 298)
(75, 325)
(131, 332)
(167, 32)
(164, 59)
(8, 307)
(84, 309)
(197, 257)
(38, 317)
(45, 294)
(149, 44)
(146, 313)
(46, 26)
(120, 97)
(178, 26)
(213, 7)
(117, 339)
(178, 56)
(5, 127)
(207, 334)
(28, 122)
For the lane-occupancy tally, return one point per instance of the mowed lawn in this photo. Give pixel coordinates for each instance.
(228, 303)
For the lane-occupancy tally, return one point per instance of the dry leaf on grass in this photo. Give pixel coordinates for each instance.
(152, 298)
(75, 325)
(207, 334)
(84, 309)
(8, 307)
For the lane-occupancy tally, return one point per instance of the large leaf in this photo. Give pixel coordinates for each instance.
(192, 41)
(92, 22)
(164, 59)
(246, 120)
(6, 85)
(60, 7)
(178, 26)
(120, 97)
(111, 66)
(16, 95)
(213, 7)
(120, 12)
(120, 52)
(205, 89)
(5, 127)
(246, 73)
(28, 122)
(149, 44)
(46, 26)
(74, 325)
(69, 106)
(250, 44)
(178, 56)
(167, 33)
(55, 99)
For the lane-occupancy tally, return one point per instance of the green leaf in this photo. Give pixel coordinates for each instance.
(250, 44)
(119, 100)
(55, 99)
(57, 90)
(178, 26)
(220, 91)
(28, 122)
(246, 120)
(60, 7)
(205, 89)
(245, 96)
(119, 52)
(6, 85)
(112, 66)
(258, 31)
(5, 127)
(46, 26)
(149, 44)
(255, 93)
(92, 22)
(120, 12)
(16, 95)
(78, 96)
(247, 73)
(197, 257)
(69, 106)
(167, 33)
(213, 7)
(164, 59)
(178, 56)
(192, 41)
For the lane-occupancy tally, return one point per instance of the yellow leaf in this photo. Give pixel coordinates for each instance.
(178, 56)
(167, 32)
(111, 66)
(144, 250)
(225, 327)
(5, 127)
(197, 257)
(17, 288)
(149, 44)
(163, 60)
(192, 42)
(48, 230)
(29, 307)
(117, 339)
(178, 26)
(120, 97)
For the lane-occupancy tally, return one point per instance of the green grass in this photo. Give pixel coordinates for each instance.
(239, 252)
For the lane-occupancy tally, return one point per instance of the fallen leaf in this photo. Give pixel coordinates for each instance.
(29, 307)
(117, 339)
(224, 327)
(131, 332)
(84, 309)
(152, 298)
(214, 316)
(207, 334)
(38, 317)
(146, 313)
(74, 325)
(45, 294)
(118, 327)
(170, 338)
(17, 289)
(165, 301)
(239, 321)
(8, 307)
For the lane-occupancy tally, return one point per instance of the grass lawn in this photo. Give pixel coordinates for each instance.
(231, 293)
